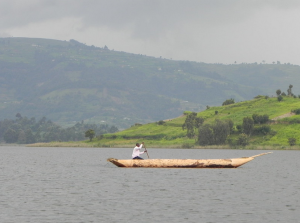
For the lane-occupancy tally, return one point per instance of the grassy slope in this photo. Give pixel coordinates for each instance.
(173, 135)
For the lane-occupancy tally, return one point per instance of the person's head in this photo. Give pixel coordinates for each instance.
(137, 144)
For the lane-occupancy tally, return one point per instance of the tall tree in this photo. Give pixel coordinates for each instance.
(191, 123)
(289, 91)
(230, 125)
(90, 134)
(29, 136)
(21, 137)
(221, 131)
(248, 125)
(206, 135)
(278, 92)
(18, 115)
(10, 136)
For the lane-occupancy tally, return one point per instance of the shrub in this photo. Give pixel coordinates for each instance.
(216, 112)
(248, 125)
(228, 102)
(110, 136)
(230, 142)
(170, 137)
(258, 96)
(273, 133)
(127, 137)
(242, 140)
(264, 129)
(239, 128)
(292, 141)
(260, 119)
(161, 122)
(99, 137)
(230, 125)
(296, 111)
(293, 121)
(279, 98)
(186, 146)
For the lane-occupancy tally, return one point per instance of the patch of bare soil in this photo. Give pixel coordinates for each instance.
(284, 116)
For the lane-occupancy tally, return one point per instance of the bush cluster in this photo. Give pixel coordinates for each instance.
(296, 111)
(214, 134)
(228, 102)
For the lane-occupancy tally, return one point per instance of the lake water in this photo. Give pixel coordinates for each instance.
(60, 185)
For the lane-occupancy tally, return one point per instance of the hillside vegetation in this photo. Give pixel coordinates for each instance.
(282, 123)
(67, 82)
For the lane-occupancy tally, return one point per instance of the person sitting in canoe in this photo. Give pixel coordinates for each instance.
(136, 151)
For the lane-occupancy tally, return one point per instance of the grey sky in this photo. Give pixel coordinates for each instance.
(212, 31)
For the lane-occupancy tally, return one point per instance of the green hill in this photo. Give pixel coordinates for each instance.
(283, 124)
(67, 82)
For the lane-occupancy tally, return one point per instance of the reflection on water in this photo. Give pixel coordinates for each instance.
(78, 185)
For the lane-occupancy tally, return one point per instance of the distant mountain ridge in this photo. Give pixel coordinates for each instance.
(67, 81)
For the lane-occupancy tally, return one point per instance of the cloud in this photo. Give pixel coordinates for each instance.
(146, 19)
(200, 30)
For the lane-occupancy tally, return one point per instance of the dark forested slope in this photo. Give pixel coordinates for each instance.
(68, 81)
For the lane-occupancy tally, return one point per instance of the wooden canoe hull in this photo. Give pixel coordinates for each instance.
(184, 163)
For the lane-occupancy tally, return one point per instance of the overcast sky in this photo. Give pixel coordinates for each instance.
(211, 31)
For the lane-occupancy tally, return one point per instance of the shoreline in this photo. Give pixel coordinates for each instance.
(157, 146)
(13, 144)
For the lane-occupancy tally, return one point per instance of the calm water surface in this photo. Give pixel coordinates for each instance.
(59, 185)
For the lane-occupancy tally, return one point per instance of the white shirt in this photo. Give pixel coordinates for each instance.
(136, 151)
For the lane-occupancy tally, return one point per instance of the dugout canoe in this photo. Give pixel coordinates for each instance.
(184, 163)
